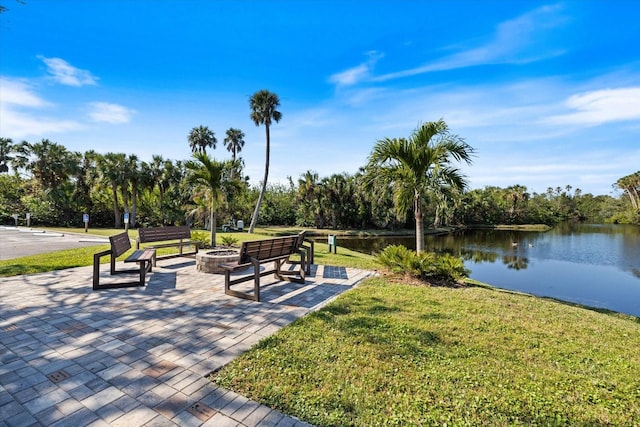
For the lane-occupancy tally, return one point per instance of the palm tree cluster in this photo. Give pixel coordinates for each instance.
(407, 182)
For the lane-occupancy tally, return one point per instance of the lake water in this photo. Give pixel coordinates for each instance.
(592, 264)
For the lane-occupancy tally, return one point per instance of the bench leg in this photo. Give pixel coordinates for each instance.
(227, 278)
(96, 267)
(145, 265)
(143, 270)
(244, 295)
(256, 279)
(96, 271)
(276, 265)
(304, 265)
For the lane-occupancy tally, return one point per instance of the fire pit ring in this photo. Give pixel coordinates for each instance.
(209, 261)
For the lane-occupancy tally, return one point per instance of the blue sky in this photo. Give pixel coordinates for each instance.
(548, 94)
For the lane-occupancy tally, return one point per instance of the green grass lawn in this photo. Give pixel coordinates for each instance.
(397, 354)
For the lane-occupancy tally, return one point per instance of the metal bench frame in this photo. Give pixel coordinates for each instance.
(257, 252)
(120, 244)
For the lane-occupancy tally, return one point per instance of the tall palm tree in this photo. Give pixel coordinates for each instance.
(417, 165)
(234, 141)
(200, 138)
(263, 106)
(209, 173)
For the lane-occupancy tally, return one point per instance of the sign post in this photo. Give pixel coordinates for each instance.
(126, 221)
(85, 219)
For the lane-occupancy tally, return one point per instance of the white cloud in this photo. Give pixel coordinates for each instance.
(516, 41)
(18, 125)
(109, 113)
(17, 95)
(357, 74)
(66, 74)
(601, 106)
(20, 93)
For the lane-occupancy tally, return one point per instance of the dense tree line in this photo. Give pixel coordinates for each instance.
(56, 186)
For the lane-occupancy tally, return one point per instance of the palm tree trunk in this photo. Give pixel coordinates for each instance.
(116, 209)
(254, 219)
(162, 206)
(213, 225)
(134, 205)
(419, 225)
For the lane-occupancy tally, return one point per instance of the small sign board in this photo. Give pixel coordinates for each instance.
(126, 217)
(85, 218)
(28, 215)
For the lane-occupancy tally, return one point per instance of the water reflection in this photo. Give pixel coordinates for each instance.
(591, 264)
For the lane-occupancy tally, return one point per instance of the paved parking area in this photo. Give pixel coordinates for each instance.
(70, 356)
(21, 241)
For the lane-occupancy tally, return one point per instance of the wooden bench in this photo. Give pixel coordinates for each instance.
(180, 233)
(120, 244)
(254, 253)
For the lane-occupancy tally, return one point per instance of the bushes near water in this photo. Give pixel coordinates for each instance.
(424, 265)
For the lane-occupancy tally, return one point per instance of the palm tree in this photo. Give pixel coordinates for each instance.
(309, 197)
(51, 163)
(200, 138)
(234, 141)
(417, 165)
(133, 176)
(6, 150)
(263, 106)
(84, 179)
(630, 184)
(110, 166)
(210, 174)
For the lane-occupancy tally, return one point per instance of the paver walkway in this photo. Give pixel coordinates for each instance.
(70, 356)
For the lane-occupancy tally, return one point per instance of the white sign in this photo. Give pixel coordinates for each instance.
(28, 216)
(126, 217)
(85, 218)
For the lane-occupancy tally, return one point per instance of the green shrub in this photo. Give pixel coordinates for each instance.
(424, 266)
(229, 240)
(201, 237)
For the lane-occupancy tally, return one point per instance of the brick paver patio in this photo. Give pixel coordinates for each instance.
(70, 356)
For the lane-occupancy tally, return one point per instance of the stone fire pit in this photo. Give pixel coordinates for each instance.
(209, 262)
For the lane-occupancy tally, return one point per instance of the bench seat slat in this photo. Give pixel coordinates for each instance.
(141, 255)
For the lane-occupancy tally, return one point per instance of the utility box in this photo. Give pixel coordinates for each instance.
(240, 225)
(332, 240)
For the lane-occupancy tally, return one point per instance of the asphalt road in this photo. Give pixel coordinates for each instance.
(21, 241)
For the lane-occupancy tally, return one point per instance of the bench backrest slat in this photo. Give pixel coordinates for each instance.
(268, 248)
(120, 244)
(157, 234)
